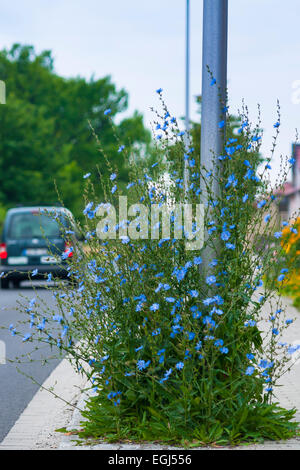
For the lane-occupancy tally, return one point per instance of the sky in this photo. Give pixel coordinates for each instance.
(141, 44)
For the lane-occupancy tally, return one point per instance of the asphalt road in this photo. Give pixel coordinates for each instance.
(16, 390)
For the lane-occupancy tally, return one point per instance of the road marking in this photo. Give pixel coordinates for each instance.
(2, 352)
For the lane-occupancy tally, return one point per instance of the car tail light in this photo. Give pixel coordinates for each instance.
(3, 252)
(68, 253)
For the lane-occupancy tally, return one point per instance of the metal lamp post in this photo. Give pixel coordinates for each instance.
(215, 25)
(187, 91)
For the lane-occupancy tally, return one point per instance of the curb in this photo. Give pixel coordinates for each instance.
(35, 428)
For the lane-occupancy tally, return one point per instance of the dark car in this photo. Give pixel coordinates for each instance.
(33, 239)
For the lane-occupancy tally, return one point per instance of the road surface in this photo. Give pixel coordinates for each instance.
(16, 390)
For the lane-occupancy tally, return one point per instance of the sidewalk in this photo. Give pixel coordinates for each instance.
(35, 429)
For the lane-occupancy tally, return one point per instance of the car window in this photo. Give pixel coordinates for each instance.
(33, 225)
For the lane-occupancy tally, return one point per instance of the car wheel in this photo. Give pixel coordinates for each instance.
(16, 284)
(4, 284)
(73, 283)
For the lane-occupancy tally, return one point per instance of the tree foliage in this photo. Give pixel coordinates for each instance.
(47, 129)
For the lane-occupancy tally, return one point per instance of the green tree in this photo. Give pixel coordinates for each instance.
(45, 130)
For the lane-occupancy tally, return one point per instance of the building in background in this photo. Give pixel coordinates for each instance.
(289, 203)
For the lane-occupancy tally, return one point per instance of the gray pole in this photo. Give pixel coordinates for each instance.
(215, 25)
(187, 91)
